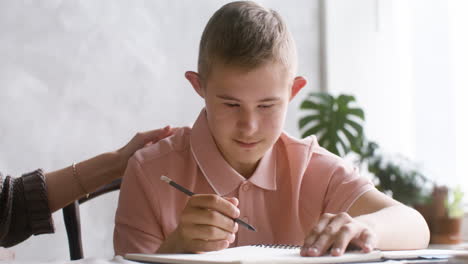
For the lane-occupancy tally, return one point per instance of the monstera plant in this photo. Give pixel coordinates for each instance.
(334, 120)
(338, 126)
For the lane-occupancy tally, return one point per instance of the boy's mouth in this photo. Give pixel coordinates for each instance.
(247, 144)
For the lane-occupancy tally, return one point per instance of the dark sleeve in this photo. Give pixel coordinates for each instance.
(24, 208)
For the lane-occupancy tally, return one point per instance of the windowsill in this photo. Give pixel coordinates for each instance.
(462, 246)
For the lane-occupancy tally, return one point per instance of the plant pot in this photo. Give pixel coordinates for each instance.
(446, 230)
(426, 211)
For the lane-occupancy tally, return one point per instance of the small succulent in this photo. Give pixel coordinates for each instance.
(454, 203)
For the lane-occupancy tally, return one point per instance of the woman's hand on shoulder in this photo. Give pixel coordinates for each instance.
(140, 140)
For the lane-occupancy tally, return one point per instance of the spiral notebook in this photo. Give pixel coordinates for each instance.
(284, 254)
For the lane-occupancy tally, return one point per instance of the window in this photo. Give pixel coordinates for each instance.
(407, 64)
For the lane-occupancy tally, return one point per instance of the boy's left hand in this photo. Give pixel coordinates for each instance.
(336, 232)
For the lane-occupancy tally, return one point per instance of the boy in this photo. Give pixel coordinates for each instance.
(241, 165)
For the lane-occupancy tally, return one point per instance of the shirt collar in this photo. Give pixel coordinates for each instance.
(217, 171)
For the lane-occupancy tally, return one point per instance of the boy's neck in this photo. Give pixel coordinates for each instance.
(246, 170)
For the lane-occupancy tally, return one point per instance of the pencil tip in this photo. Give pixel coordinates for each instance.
(166, 179)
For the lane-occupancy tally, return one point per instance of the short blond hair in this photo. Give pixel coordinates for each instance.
(246, 35)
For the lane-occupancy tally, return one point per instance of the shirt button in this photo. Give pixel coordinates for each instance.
(246, 219)
(246, 187)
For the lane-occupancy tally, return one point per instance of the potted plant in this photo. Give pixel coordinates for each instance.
(396, 175)
(447, 215)
(338, 126)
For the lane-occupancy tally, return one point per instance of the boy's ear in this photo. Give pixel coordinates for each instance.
(194, 79)
(298, 84)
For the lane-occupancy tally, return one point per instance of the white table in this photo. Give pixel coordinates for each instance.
(115, 260)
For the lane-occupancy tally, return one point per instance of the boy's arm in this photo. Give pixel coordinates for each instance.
(396, 226)
(357, 214)
(374, 220)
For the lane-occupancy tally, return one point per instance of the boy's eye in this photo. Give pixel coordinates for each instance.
(231, 104)
(265, 106)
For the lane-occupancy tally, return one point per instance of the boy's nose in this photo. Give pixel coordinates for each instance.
(247, 122)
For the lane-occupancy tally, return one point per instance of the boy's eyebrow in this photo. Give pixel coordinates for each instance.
(227, 97)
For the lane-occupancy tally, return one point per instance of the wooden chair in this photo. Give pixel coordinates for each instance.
(71, 216)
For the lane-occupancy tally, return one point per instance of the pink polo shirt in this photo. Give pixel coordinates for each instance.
(295, 182)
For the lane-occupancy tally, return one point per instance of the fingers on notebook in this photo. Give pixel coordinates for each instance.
(334, 233)
(309, 248)
(367, 240)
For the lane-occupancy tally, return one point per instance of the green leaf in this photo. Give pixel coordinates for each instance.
(307, 119)
(313, 130)
(357, 112)
(332, 121)
(343, 145)
(311, 105)
(355, 125)
(345, 99)
(351, 138)
(323, 97)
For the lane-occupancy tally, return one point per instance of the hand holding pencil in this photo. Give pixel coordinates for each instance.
(190, 193)
(207, 223)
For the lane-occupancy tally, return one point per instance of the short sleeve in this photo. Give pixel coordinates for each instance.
(346, 185)
(137, 229)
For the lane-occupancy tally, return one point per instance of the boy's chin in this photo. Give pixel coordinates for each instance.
(248, 158)
(242, 155)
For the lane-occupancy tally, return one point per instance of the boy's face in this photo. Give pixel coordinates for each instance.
(246, 110)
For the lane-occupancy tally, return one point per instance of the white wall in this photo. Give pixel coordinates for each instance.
(78, 78)
(367, 58)
(434, 88)
(459, 54)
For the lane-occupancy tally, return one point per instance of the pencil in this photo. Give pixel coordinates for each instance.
(189, 193)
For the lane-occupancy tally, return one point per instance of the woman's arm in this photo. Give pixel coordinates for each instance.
(26, 202)
(67, 184)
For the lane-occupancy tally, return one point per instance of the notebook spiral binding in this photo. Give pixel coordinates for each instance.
(282, 246)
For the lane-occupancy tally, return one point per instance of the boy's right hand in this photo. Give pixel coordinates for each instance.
(205, 225)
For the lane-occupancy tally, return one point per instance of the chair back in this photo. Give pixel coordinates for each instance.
(71, 217)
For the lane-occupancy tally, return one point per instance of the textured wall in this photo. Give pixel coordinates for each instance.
(78, 78)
